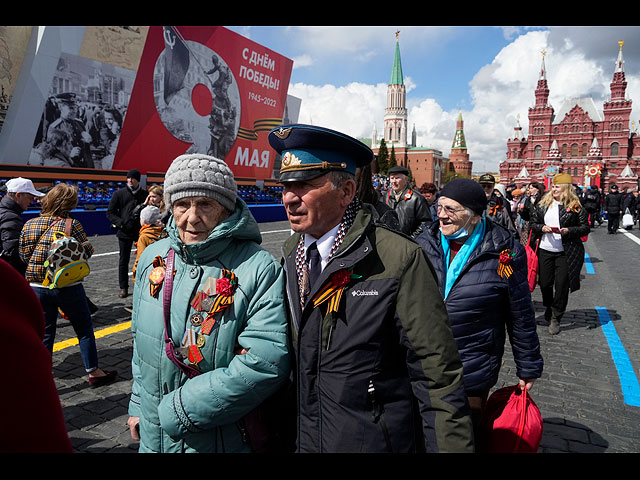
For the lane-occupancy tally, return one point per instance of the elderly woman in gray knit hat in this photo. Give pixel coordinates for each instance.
(209, 322)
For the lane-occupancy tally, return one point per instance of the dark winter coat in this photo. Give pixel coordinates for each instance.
(384, 215)
(629, 202)
(412, 209)
(484, 307)
(525, 214)
(578, 224)
(591, 200)
(120, 212)
(382, 374)
(499, 212)
(613, 202)
(11, 224)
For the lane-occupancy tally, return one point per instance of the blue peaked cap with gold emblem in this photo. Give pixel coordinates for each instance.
(309, 151)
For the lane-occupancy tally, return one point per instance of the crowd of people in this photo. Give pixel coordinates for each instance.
(381, 328)
(76, 133)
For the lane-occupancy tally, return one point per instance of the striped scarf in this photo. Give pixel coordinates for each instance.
(302, 268)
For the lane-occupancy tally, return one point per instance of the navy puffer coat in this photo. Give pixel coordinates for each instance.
(484, 307)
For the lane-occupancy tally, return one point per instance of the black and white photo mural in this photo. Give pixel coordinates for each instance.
(83, 114)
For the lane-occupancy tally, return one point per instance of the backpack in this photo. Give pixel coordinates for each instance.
(66, 262)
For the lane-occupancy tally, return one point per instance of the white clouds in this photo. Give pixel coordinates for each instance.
(510, 32)
(358, 44)
(302, 61)
(500, 92)
(351, 109)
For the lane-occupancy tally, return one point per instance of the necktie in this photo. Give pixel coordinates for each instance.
(314, 264)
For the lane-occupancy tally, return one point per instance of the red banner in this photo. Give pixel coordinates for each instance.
(204, 90)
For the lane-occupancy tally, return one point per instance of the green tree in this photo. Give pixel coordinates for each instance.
(450, 175)
(383, 158)
(392, 158)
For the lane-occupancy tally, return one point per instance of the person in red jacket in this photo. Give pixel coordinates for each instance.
(30, 411)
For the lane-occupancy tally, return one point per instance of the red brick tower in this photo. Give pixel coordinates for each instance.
(459, 157)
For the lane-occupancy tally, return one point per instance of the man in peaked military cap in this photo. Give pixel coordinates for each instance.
(365, 343)
(73, 128)
(411, 206)
(498, 209)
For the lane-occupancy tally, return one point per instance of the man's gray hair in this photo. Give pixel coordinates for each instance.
(340, 178)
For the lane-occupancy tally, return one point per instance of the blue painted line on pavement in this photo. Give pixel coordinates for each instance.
(587, 264)
(628, 378)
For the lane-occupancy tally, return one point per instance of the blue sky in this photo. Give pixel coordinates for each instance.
(487, 73)
(445, 61)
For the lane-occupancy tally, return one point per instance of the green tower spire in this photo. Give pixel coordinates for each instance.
(396, 72)
(458, 140)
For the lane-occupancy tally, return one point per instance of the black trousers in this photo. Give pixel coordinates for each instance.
(613, 221)
(554, 281)
(478, 403)
(123, 264)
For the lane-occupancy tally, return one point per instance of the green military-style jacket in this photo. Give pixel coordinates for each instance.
(382, 373)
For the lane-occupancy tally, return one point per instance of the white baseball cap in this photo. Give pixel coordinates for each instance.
(22, 185)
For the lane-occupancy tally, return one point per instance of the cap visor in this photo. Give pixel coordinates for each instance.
(301, 175)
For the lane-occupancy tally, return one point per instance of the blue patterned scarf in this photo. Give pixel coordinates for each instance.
(459, 261)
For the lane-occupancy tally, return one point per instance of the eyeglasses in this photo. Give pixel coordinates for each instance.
(450, 212)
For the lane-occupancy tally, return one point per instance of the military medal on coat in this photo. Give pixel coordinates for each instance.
(214, 297)
(156, 277)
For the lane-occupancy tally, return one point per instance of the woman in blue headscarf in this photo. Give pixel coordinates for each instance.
(482, 274)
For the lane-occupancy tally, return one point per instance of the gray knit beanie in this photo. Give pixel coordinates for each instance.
(199, 175)
(150, 215)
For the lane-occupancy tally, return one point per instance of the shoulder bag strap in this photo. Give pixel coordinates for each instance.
(67, 228)
(529, 241)
(41, 237)
(167, 288)
(45, 232)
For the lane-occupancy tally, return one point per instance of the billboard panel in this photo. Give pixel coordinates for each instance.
(83, 115)
(204, 90)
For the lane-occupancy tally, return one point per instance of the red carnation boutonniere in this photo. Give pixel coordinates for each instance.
(225, 289)
(332, 291)
(341, 278)
(505, 268)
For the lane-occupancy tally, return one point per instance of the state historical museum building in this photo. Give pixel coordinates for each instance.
(594, 147)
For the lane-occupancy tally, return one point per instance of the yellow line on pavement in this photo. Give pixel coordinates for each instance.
(100, 333)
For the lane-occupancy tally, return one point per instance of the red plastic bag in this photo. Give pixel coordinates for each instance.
(532, 264)
(532, 267)
(512, 422)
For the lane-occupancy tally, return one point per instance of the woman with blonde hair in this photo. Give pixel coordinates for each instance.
(35, 242)
(156, 198)
(559, 221)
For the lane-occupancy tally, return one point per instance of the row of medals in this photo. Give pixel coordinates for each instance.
(191, 337)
